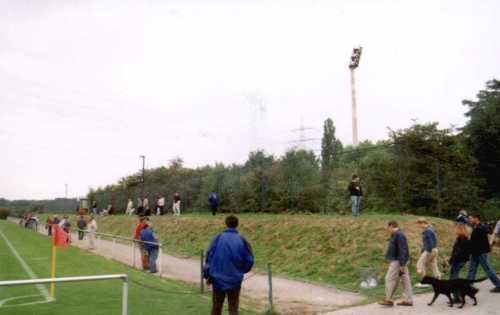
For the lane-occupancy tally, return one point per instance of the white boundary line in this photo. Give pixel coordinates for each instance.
(43, 290)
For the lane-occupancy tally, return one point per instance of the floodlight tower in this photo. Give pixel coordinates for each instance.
(353, 64)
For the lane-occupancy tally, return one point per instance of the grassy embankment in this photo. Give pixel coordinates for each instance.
(326, 249)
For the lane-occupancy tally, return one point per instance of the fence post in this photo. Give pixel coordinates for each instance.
(270, 281)
(202, 284)
(161, 259)
(125, 297)
(113, 248)
(133, 254)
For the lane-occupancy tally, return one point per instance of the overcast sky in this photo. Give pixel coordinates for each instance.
(88, 86)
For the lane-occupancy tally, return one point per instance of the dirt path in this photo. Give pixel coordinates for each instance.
(290, 296)
(489, 304)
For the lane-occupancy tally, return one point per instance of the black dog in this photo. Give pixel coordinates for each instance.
(461, 287)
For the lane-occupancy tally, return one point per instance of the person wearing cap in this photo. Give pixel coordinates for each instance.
(229, 257)
(430, 253)
(151, 245)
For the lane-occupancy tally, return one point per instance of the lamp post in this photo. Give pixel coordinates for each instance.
(143, 157)
(353, 64)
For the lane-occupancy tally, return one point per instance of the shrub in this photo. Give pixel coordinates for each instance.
(4, 213)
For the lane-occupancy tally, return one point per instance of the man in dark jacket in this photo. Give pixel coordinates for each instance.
(229, 257)
(356, 194)
(213, 200)
(398, 255)
(480, 247)
(82, 225)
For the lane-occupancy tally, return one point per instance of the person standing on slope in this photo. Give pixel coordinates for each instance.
(356, 193)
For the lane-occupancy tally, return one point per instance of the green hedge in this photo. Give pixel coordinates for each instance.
(4, 213)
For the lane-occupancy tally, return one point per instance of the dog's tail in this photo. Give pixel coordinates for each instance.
(477, 280)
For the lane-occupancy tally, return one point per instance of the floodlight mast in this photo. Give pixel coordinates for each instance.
(353, 65)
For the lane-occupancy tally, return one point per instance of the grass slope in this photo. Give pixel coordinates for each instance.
(326, 249)
(147, 294)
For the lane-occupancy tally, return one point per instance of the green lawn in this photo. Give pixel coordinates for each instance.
(147, 294)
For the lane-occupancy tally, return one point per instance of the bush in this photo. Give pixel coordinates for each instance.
(4, 213)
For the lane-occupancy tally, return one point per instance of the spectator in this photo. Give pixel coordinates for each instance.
(137, 235)
(480, 247)
(429, 255)
(56, 220)
(229, 257)
(66, 225)
(460, 254)
(176, 207)
(48, 225)
(94, 208)
(145, 204)
(82, 225)
(151, 245)
(462, 217)
(92, 229)
(140, 208)
(130, 207)
(213, 200)
(398, 255)
(356, 193)
(160, 206)
(496, 234)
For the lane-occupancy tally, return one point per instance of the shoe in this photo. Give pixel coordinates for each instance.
(386, 303)
(495, 290)
(404, 303)
(421, 286)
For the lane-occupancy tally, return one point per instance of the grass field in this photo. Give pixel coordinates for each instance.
(320, 248)
(147, 294)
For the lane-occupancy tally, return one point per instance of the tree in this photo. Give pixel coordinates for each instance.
(330, 147)
(482, 134)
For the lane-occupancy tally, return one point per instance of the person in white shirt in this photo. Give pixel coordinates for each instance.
(130, 207)
(160, 206)
(92, 229)
(176, 207)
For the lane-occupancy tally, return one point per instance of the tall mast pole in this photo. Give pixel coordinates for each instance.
(355, 57)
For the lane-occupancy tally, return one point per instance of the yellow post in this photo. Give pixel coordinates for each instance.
(53, 274)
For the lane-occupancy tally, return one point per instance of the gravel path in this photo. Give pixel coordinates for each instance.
(489, 304)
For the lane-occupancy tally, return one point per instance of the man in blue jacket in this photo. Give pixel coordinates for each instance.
(430, 253)
(229, 257)
(152, 246)
(398, 255)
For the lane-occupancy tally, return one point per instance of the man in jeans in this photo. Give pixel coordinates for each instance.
(356, 194)
(480, 247)
(397, 255)
(151, 245)
(429, 256)
(229, 257)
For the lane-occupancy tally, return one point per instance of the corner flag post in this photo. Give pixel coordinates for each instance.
(59, 238)
(53, 272)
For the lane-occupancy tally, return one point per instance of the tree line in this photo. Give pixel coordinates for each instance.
(422, 169)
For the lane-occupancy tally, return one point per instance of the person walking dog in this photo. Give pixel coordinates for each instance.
(480, 247)
(459, 255)
(398, 255)
(229, 257)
